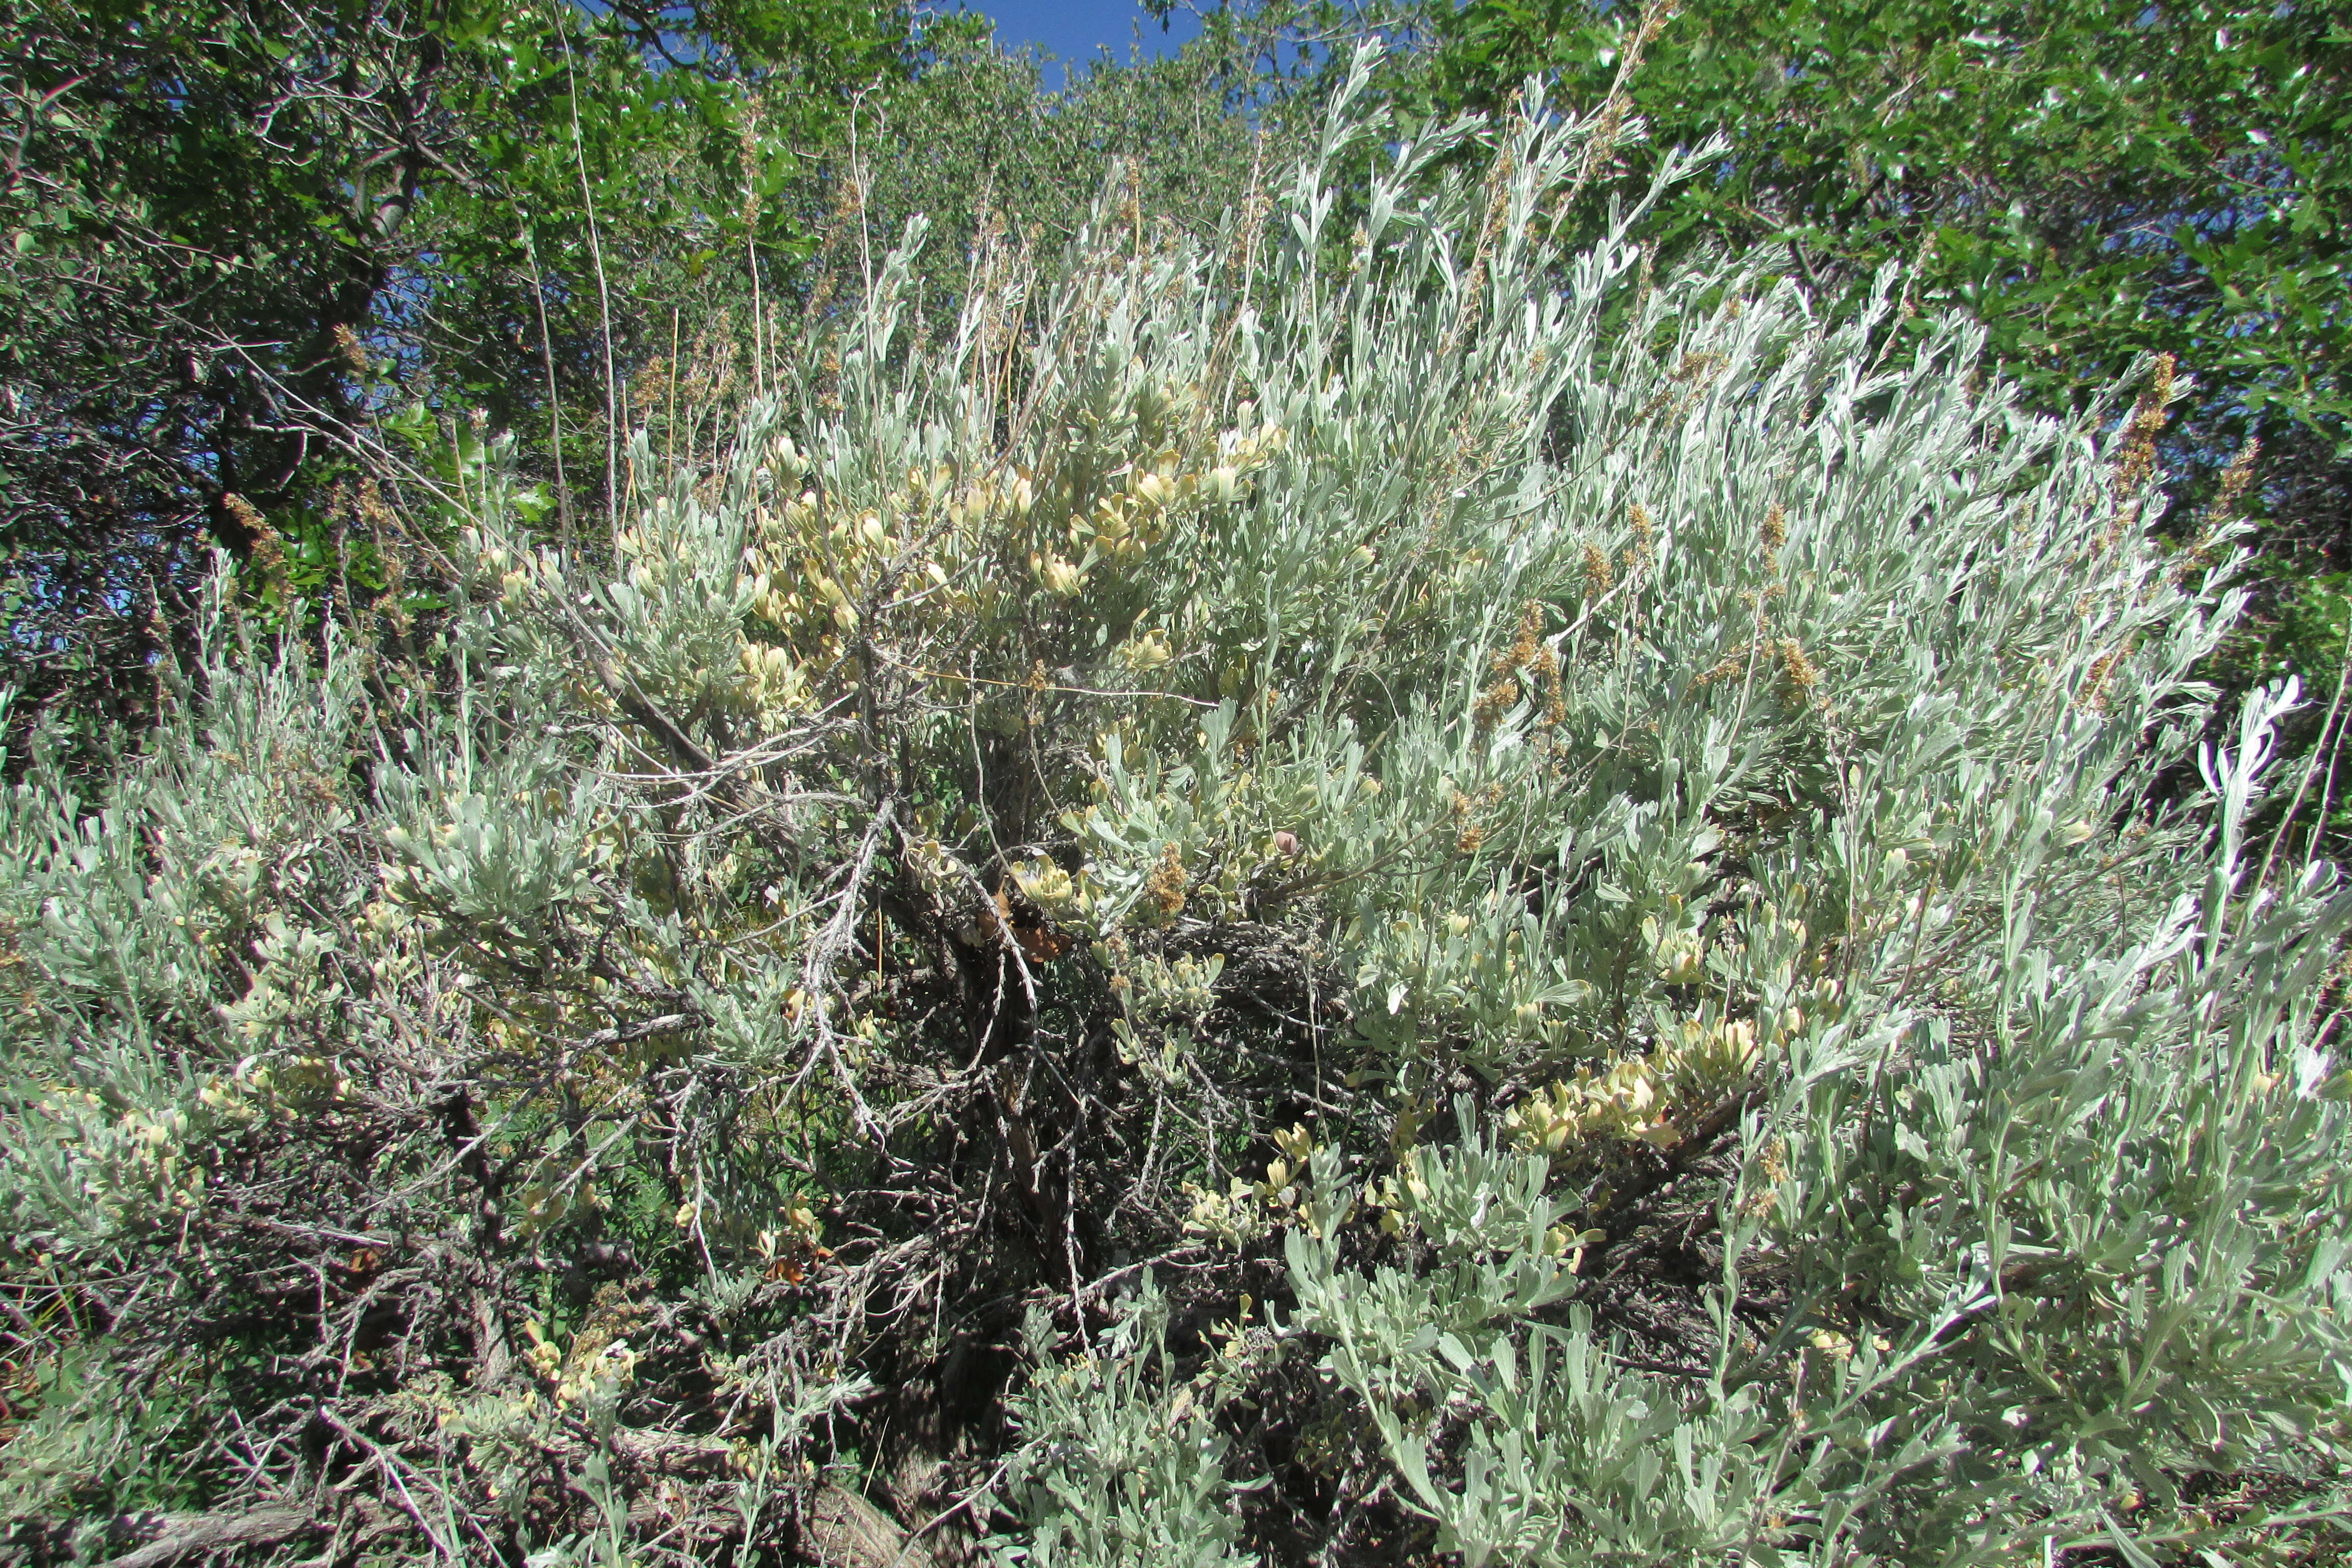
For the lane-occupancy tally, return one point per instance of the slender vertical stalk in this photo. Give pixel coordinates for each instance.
(603, 292)
(554, 402)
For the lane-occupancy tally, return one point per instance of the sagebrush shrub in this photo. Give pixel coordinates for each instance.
(1361, 890)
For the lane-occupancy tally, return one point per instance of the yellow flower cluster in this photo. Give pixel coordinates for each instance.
(543, 1206)
(1050, 887)
(515, 572)
(1247, 1210)
(1680, 956)
(305, 1085)
(1628, 1101)
(593, 1368)
(148, 1156)
(773, 681)
(1122, 525)
(1637, 1097)
(1234, 1216)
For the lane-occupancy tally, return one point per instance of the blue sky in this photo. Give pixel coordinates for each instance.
(1074, 29)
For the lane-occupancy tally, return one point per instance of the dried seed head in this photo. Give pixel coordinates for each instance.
(347, 343)
(1528, 651)
(1522, 649)
(1493, 702)
(1800, 672)
(1168, 884)
(246, 515)
(369, 503)
(1731, 664)
(2235, 478)
(2135, 461)
(2095, 680)
(1597, 574)
(268, 550)
(1547, 670)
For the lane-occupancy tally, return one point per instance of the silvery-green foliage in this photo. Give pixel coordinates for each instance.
(1122, 1463)
(119, 911)
(1081, 801)
(1862, 677)
(88, 1435)
(495, 823)
(1715, 697)
(1439, 440)
(2118, 1274)
(1488, 1222)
